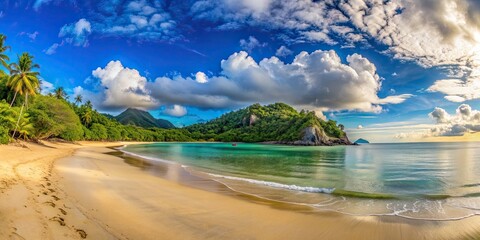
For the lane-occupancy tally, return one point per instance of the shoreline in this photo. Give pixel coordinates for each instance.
(80, 191)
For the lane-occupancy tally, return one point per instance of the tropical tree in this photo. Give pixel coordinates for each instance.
(78, 99)
(88, 104)
(86, 115)
(3, 62)
(7, 121)
(25, 127)
(23, 80)
(60, 93)
(3, 57)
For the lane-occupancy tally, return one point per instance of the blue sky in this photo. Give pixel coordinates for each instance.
(387, 70)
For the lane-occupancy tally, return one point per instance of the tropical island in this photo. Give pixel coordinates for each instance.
(28, 115)
(219, 119)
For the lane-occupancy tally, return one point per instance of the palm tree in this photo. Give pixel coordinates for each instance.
(25, 127)
(23, 80)
(78, 99)
(88, 104)
(86, 116)
(3, 57)
(3, 62)
(60, 93)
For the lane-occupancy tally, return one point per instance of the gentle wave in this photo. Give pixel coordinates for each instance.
(277, 185)
(429, 207)
(146, 157)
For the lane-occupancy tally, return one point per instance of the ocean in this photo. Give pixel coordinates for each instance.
(435, 181)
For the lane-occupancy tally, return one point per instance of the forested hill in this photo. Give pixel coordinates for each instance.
(275, 123)
(140, 118)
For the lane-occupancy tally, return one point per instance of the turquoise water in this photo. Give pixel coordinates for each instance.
(416, 180)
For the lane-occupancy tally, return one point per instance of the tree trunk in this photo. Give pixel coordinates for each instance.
(14, 96)
(19, 116)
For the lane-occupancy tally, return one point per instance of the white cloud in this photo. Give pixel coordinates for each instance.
(317, 81)
(39, 3)
(46, 87)
(201, 77)
(52, 49)
(176, 111)
(142, 20)
(465, 120)
(440, 115)
(319, 37)
(433, 33)
(124, 87)
(32, 35)
(283, 51)
(251, 43)
(458, 90)
(76, 33)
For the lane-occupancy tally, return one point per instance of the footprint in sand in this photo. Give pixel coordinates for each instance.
(60, 220)
(82, 233)
(63, 211)
(51, 204)
(55, 198)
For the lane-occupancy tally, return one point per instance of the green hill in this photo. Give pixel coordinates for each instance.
(140, 118)
(275, 123)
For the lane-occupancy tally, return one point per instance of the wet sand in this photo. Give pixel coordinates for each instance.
(84, 191)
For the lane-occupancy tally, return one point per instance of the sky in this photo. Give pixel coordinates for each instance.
(398, 70)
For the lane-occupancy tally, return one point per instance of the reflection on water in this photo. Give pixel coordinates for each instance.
(418, 180)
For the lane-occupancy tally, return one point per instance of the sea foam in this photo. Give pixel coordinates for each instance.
(277, 185)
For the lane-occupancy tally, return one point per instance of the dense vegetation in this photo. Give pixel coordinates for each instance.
(256, 123)
(141, 118)
(27, 114)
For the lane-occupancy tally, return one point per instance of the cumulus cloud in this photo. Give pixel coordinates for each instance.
(465, 120)
(251, 43)
(317, 81)
(432, 33)
(123, 87)
(176, 111)
(283, 51)
(201, 77)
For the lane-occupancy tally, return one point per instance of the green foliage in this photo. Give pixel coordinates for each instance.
(141, 118)
(99, 132)
(275, 122)
(54, 118)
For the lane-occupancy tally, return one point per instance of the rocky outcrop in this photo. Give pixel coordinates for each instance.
(250, 120)
(314, 136)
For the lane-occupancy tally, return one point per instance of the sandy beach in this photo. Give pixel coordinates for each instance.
(76, 191)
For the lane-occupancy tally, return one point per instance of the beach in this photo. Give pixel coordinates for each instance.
(86, 190)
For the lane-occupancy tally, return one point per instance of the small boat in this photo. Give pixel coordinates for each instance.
(234, 144)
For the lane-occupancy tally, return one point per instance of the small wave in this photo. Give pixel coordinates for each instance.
(147, 157)
(277, 185)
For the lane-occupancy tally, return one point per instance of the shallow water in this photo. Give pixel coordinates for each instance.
(415, 180)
